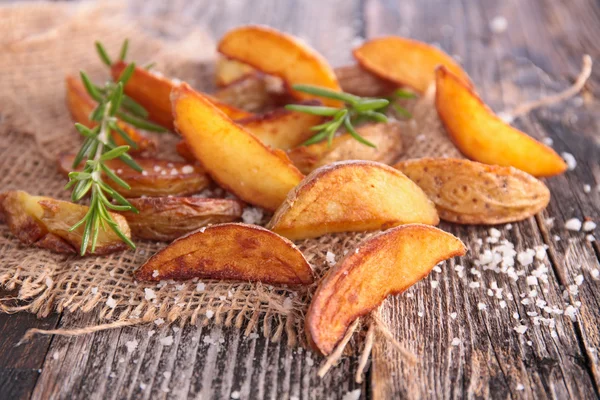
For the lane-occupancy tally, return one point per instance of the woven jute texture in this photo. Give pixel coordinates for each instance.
(39, 45)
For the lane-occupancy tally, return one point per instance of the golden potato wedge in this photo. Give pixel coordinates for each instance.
(387, 137)
(232, 156)
(153, 91)
(230, 252)
(468, 192)
(81, 105)
(281, 128)
(282, 55)
(481, 136)
(254, 93)
(167, 218)
(159, 178)
(382, 265)
(358, 81)
(405, 62)
(351, 196)
(228, 71)
(45, 222)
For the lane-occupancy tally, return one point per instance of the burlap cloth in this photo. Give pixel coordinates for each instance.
(39, 45)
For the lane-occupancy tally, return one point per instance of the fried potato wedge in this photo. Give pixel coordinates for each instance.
(279, 54)
(468, 192)
(405, 62)
(481, 136)
(231, 155)
(167, 218)
(387, 137)
(45, 222)
(351, 196)
(358, 81)
(81, 105)
(159, 178)
(281, 128)
(382, 265)
(153, 91)
(228, 71)
(230, 252)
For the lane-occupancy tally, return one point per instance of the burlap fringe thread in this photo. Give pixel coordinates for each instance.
(41, 293)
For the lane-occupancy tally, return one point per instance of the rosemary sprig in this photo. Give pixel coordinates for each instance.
(355, 110)
(99, 147)
(400, 94)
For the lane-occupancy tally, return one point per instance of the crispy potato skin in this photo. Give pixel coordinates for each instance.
(481, 136)
(167, 218)
(351, 196)
(232, 156)
(405, 62)
(468, 192)
(279, 54)
(281, 128)
(387, 137)
(81, 105)
(45, 222)
(383, 265)
(357, 80)
(153, 92)
(230, 252)
(157, 180)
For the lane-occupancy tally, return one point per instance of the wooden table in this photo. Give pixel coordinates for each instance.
(541, 50)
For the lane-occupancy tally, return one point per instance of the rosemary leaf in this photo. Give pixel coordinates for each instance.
(103, 55)
(124, 48)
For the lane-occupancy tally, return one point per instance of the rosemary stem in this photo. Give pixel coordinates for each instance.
(102, 136)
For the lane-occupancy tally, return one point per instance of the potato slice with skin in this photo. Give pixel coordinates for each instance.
(356, 80)
(351, 196)
(167, 218)
(228, 71)
(81, 105)
(387, 137)
(282, 55)
(230, 252)
(45, 222)
(153, 91)
(159, 178)
(232, 156)
(382, 265)
(481, 136)
(405, 62)
(468, 192)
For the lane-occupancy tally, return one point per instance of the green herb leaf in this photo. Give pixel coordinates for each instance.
(315, 110)
(124, 47)
(103, 54)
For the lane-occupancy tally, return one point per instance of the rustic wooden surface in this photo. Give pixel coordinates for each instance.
(541, 48)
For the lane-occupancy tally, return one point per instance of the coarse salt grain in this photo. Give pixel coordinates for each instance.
(151, 333)
(587, 188)
(55, 355)
(548, 141)
(235, 394)
(155, 273)
(481, 306)
(498, 24)
(521, 329)
(570, 312)
(353, 395)
(595, 273)
(474, 285)
(531, 280)
(209, 314)
(453, 315)
(495, 233)
(573, 224)
(589, 226)
(434, 284)
(142, 386)
(166, 341)
(570, 160)
(200, 287)
(159, 321)
(187, 169)
(437, 269)
(455, 341)
(330, 258)
(252, 215)
(579, 280)
(111, 303)
(520, 387)
(502, 304)
(149, 294)
(590, 238)
(131, 345)
(94, 290)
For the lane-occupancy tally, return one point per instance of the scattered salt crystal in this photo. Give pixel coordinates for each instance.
(187, 169)
(526, 257)
(502, 304)
(587, 188)
(570, 312)
(595, 273)
(589, 226)
(434, 284)
(570, 160)
(209, 314)
(111, 303)
(174, 171)
(94, 290)
(166, 341)
(520, 387)
(235, 394)
(495, 232)
(159, 321)
(453, 315)
(540, 252)
(112, 375)
(131, 345)
(142, 386)
(556, 238)
(521, 329)
(548, 141)
(590, 238)
(145, 173)
(481, 306)
(437, 269)
(474, 285)
(420, 314)
(516, 315)
(155, 273)
(573, 224)
(200, 287)
(55, 355)
(176, 329)
(149, 294)
(222, 298)
(151, 333)
(252, 215)
(579, 280)
(287, 303)
(353, 395)
(455, 341)
(509, 227)
(167, 374)
(498, 24)
(330, 258)
(531, 280)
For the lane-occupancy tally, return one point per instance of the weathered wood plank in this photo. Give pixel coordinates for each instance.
(496, 360)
